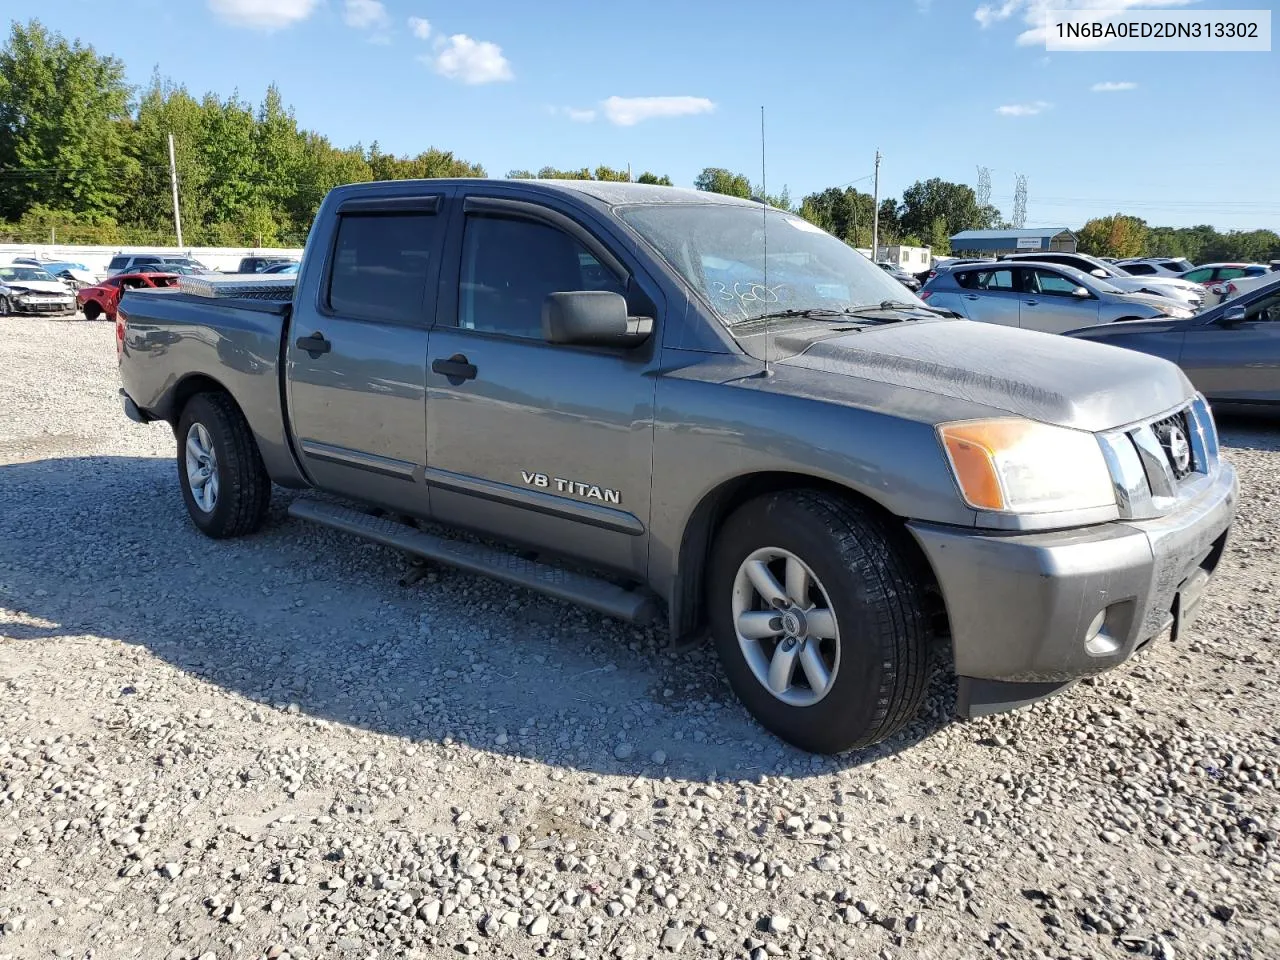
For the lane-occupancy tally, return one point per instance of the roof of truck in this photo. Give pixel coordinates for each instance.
(606, 191)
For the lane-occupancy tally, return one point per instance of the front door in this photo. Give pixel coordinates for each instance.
(357, 356)
(1239, 362)
(1050, 304)
(543, 444)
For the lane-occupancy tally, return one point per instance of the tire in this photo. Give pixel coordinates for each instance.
(215, 444)
(6, 308)
(92, 311)
(875, 592)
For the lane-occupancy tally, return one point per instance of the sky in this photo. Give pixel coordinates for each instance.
(939, 87)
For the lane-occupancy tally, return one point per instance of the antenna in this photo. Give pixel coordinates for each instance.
(764, 234)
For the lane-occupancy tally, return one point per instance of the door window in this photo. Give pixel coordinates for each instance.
(994, 280)
(1138, 269)
(510, 267)
(1199, 276)
(1052, 284)
(1229, 273)
(380, 264)
(1265, 310)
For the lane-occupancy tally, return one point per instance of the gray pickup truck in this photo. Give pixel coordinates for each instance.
(669, 404)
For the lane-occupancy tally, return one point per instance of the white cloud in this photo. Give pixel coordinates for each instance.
(1114, 87)
(628, 111)
(364, 14)
(471, 61)
(264, 15)
(1035, 13)
(419, 27)
(579, 116)
(1023, 109)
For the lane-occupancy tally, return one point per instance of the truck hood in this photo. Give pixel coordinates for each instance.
(1041, 376)
(39, 286)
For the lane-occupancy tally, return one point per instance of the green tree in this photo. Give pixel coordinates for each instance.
(64, 116)
(653, 178)
(720, 180)
(147, 200)
(845, 213)
(1114, 236)
(927, 201)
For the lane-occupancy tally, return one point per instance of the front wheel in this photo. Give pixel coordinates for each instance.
(819, 614)
(224, 484)
(92, 311)
(6, 308)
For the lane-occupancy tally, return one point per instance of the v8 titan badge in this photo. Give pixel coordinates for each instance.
(589, 490)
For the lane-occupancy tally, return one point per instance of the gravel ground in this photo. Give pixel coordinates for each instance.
(267, 748)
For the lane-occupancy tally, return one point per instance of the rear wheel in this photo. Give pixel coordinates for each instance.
(92, 311)
(819, 615)
(224, 484)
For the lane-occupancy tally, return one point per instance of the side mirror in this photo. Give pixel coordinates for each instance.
(1233, 316)
(1081, 292)
(1098, 272)
(596, 318)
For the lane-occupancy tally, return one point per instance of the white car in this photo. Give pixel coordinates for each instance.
(1253, 278)
(1155, 266)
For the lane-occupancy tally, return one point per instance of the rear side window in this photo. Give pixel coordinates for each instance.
(1199, 276)
(138, 260)
(1138, 269)
(118, 263)
(380, 264)
(1229, 273)
(989, 280)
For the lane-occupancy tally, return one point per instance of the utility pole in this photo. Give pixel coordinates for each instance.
(173, 180)
(875, 205)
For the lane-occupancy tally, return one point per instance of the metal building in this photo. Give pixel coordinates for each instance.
(1057, 239)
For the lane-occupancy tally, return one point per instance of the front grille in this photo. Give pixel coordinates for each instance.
(1174, 435)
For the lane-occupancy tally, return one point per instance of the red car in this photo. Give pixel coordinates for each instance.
(102, 299)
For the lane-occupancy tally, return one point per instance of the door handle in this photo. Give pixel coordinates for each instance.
(315, 344)
(971, 296)
(1030, 303)
(457, 368)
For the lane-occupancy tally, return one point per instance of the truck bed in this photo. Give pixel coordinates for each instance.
(231, 341)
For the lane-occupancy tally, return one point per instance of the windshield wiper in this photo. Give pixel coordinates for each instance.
(811, 313)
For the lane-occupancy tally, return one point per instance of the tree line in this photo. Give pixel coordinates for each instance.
(84, 158)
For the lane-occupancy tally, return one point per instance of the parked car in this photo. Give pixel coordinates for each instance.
(28, 289)
(1155, 266)
(1188, 294)
(260, 264)
(102, 299)
(74, 275)
(1231, 353)
(1253, 277)
(1212, 276)
(569, 366)
(286, 268)
(133, 262)
(904, 278)
(1040, 296)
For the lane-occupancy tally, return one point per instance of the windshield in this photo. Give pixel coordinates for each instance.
(13, 274)
(1104, 285)
(750, 261)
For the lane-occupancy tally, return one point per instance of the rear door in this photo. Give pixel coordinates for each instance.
(545, 444)
(1049, 303)
(1240, 362)
(357, 351)
(989, 295)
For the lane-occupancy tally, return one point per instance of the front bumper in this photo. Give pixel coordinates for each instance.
(1021, 606)
(67, 305)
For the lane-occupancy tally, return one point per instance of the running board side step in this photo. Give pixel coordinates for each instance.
(600, 595)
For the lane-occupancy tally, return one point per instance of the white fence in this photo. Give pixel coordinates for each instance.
(96, 259)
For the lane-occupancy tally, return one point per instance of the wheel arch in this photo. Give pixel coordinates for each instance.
(686, 612)
(176, 400)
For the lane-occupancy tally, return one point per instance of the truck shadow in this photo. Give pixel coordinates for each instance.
(301, 618)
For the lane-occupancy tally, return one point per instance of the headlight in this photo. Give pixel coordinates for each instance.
(1020, 466)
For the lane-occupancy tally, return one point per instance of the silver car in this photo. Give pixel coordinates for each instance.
(1040, 296)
